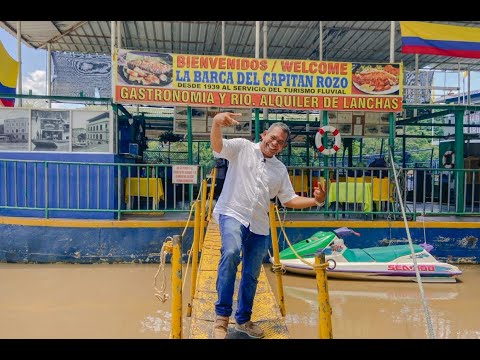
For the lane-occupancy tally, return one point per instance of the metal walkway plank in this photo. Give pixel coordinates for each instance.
(266, 312)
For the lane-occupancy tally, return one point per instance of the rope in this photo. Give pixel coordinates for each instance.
(160, 293)
(278, 268)
(428, 319)
(289, 243)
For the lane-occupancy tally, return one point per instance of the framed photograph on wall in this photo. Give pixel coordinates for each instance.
(332, 118)
(92, 131)
(14, 129)
(372, 118)
(199, 120)
(244, 128)
(202, 121)
(50, 130)
(372, 131)
(344, 117)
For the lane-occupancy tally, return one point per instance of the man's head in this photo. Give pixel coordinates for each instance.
(275, 139)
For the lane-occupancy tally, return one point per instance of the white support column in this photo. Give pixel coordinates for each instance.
(417, 78)
(112, 50)
(113, 31)
(469, 100)
(49, 74)
(257, 39)
(119, 34)
(320, 41)
(265, 29)
(392, 41)
(223, 37)
(19, 55)
(459, 87)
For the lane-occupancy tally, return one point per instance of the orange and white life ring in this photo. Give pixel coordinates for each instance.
(319, 136)
(451, 164)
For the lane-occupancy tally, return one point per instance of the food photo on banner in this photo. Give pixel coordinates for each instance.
(142, 68)
(376, 79)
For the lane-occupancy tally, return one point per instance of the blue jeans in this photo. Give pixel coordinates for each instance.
(236, 237)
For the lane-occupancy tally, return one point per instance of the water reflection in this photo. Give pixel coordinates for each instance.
(118, 301)
(383, 310)
(391, 293)
(162, 322)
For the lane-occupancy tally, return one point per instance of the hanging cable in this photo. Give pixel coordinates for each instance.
(425, 245)
(428, 319)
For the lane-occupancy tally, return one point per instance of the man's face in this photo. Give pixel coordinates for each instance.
(273, 142)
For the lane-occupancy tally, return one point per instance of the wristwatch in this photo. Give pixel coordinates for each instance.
(319, 203)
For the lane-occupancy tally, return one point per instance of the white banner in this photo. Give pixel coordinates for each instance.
(75, 73)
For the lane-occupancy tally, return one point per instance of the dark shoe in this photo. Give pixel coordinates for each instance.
(250, 329)
(221, 327)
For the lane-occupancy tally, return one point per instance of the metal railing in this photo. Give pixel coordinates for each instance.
(370, 192)
(111, 190)
(91, 190)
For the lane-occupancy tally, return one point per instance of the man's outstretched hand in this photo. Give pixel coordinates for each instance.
(226, 119)
(320, 192)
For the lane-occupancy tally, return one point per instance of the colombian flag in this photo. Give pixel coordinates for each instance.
(446, 40)
(8, 76)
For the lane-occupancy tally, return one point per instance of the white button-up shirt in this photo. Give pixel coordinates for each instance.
(251, 182)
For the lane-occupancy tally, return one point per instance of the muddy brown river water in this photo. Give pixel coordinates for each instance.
(117, 301)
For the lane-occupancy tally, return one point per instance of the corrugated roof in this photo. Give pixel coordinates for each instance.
(351, 41)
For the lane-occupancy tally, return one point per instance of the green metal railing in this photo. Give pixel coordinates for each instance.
(29, 187)
(48, 188)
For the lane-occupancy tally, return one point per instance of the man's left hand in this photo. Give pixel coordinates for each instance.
(320, 193)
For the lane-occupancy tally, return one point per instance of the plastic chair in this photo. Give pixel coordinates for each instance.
(300, 184)
(382, 191)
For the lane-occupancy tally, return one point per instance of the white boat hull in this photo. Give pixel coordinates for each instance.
(389, 263)
(339, 268)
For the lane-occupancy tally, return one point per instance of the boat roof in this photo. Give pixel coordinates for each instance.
(350, 41)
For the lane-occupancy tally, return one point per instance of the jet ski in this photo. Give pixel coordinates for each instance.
(393, 262)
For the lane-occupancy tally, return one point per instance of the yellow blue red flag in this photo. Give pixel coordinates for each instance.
(438, 39)
(8, 76)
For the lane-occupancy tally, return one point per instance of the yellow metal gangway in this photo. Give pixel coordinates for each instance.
(266, 312)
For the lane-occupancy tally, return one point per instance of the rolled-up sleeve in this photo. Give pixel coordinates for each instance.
(286, 192)
(230, 148)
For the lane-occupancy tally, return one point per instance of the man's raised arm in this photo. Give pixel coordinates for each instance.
(219, 120)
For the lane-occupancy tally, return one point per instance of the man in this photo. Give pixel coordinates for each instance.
(254, 177)
(222, 167)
